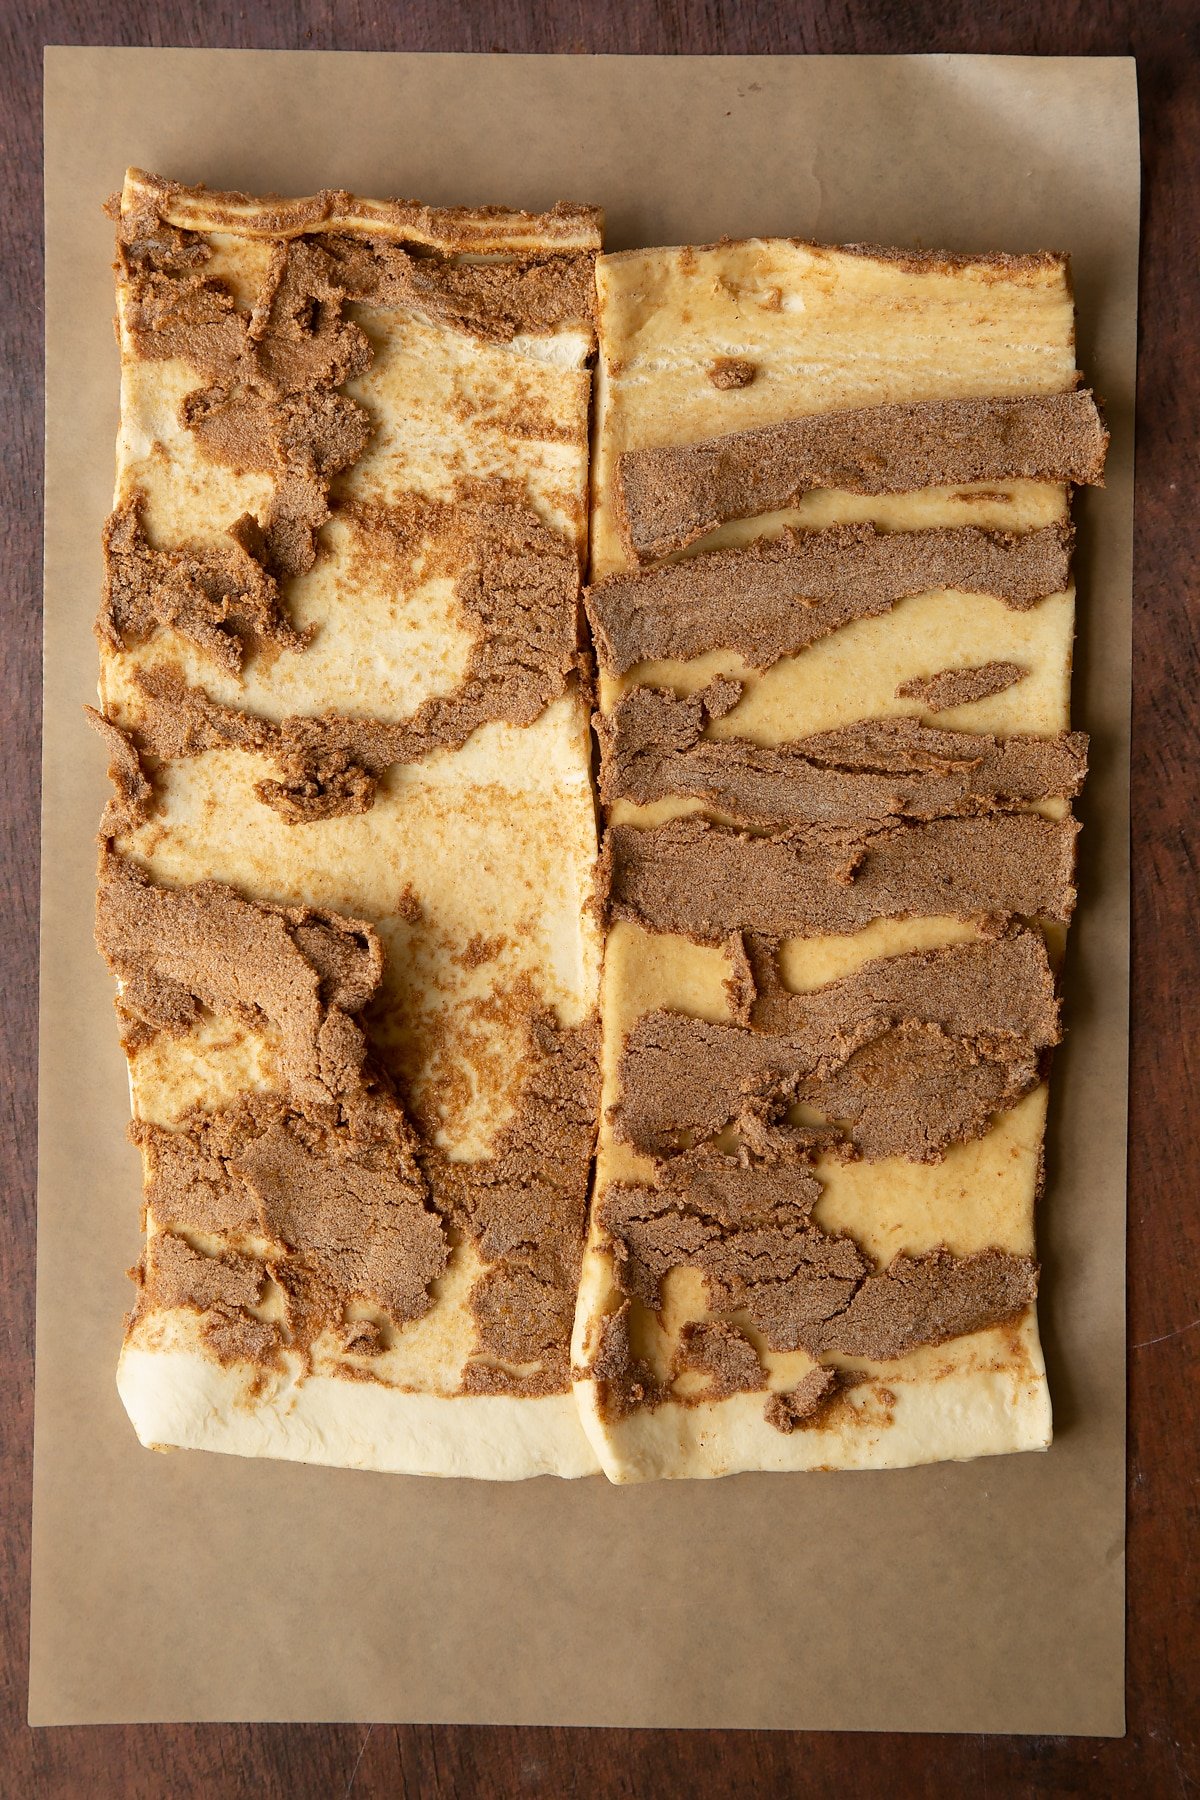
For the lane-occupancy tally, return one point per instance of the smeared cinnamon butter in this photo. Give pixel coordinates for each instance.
(775, 596)
(224, 601)
(226, 1289)
(705, 881)
(1002, 984)
(762, 1258)
(516, 585)
(959, 687)
(329, 1171)
(271, 399)
(526, 1207)
(653, 745)
(727, 372)
(669, 497)
(345, 1209)
(133, 792)
(307, 971)
(326, 1170)
(273, 375)
(788, 1411)
(907, 1055)
(496, 300)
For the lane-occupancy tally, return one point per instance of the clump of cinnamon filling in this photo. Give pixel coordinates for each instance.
(727, 372)
(654, 744)
(223, 600)
(328, 1170)
(270, 402)
(745, 1224)
(525, 1205)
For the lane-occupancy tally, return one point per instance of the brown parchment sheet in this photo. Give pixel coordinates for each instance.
(964, 1597)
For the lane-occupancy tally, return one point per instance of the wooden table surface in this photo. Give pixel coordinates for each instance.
(1161, 1754)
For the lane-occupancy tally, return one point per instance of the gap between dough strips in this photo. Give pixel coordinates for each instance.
(351, 886)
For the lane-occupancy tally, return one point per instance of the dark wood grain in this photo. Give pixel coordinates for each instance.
(1161, 1754)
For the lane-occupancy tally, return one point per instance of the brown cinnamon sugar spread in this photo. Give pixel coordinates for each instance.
(525, 1205)
(527, 295)
(331, 1169)
(653, 745)
(522, 1317)
(516, 583)
(667, 498)
(740, 984)
(801, 1405)
(719, 1351)
(775, 596)
(328, 1168)
(624, 1381)
(927, 1299)
(223, 601)
(133, 793)
(1001, 985)
(346, 1208)
(351, 1217)
(224, 1288)
(271, 401)
(731, 372)
(176, 950)
(918, 1089)
(743, 1235)
(802, 1288)
(908, 1054)
(958, 687)
(705, 881)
